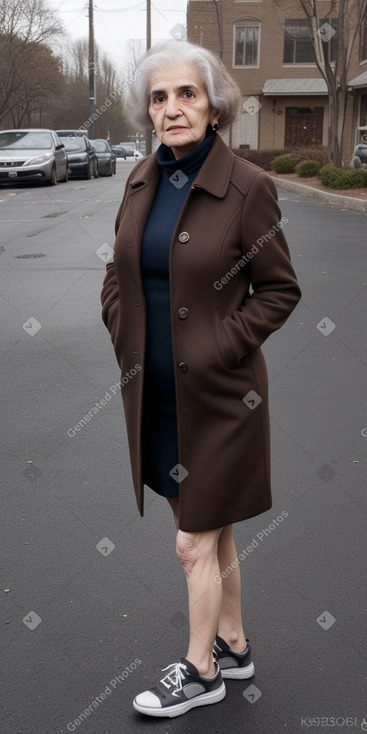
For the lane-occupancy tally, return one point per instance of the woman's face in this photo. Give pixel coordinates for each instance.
(179, 107)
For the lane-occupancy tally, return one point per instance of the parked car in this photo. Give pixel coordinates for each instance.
(73, 133)
(81, 155)
(131, 150)
(119, 151)
(359, 155)
(32, 155)
(106, 158)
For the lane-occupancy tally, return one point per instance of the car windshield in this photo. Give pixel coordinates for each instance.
(100, 146)
(22, 140)
(74, 143)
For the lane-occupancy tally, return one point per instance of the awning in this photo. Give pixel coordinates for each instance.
(294, 87)
(359, 81)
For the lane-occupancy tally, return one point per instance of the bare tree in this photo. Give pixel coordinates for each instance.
(72, 110)
(135, 49)
(351, 16)
(26, 26)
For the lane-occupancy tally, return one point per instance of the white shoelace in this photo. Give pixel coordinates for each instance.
(175, 677)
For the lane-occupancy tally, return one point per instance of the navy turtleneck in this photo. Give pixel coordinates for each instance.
(176, 179)
(159, 405)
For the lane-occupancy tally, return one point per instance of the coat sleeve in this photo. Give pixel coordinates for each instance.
(275, 291)
(110, 295)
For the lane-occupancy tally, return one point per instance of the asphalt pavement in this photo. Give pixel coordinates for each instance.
(93, 599)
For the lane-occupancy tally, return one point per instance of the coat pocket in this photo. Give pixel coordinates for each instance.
(225, 346)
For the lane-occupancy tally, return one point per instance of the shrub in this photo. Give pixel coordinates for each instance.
(311, 153)
(261, 158)
(343, 178)
(305, 169)
(283, 164)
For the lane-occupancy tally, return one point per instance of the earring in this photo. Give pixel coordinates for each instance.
(215, 127)
(153, 131)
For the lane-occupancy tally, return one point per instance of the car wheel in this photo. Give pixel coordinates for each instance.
(88, 174)
(95, 170)
(53, 180)
(66, 178)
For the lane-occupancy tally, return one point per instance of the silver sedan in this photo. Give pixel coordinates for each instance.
(32, 155)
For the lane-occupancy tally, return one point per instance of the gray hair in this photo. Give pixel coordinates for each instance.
(223, 92)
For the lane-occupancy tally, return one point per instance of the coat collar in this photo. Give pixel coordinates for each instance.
(214, 175)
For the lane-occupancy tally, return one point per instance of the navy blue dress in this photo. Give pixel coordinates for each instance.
(159, 439)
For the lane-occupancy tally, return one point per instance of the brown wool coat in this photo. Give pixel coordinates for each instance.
(227, 237)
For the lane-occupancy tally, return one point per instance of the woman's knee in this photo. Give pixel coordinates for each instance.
(192, 547)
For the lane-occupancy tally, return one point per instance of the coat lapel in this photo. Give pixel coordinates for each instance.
(141, 192)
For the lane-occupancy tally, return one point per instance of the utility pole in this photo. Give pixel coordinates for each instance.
(91, 67)
(149, 24)
(148, 132)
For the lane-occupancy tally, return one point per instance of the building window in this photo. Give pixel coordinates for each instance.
(298, 47)
(297, 43)
(303, 126)
(331, 47)
(247, 43)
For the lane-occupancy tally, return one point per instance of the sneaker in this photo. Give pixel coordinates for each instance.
(233, 664)
(181, 689)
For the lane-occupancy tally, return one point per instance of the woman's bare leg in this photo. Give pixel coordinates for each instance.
(203, 558)
(230, 626)
(198, 555)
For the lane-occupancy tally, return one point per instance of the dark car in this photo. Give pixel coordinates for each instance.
(105, 157)
(360, 151)
(32, 155)
(81, 155)
(119, 151)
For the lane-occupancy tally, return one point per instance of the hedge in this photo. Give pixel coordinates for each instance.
(343, 178)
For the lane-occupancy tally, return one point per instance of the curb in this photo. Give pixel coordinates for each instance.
(347, 202)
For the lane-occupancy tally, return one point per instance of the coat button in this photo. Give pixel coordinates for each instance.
(183, 366)
(184, 237)
(183, 313)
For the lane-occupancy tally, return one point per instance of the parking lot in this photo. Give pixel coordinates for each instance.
(93, 599)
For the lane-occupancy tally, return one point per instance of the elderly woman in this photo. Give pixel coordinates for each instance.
(201, 277)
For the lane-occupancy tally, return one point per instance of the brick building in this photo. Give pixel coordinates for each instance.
(266, 47)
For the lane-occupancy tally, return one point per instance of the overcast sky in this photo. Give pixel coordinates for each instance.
(116, 21)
